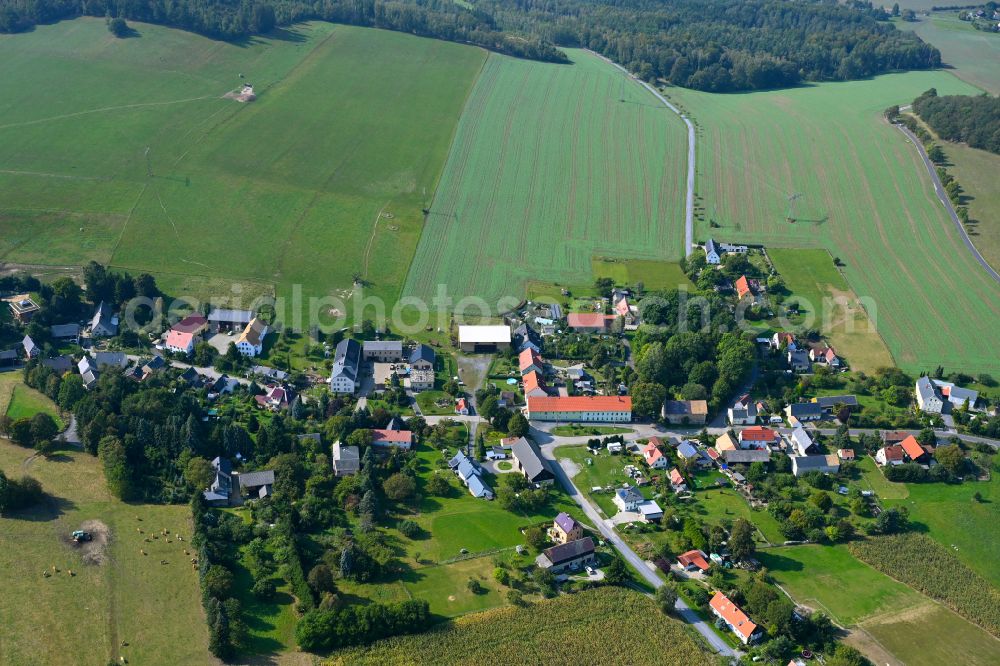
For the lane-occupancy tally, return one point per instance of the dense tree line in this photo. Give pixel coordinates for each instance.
(725, 45)
(962, 118)
(234, 19)
(711, 45)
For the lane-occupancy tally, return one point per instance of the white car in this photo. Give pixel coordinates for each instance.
(590, 571)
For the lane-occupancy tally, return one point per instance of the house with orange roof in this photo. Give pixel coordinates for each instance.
(846, 454)
(735, 619)
(588, 322)
(585, 408)
(251, 340)
(694, 559)
(677, 480)
(530, 361)
(757, 437)
(534, 386)
(915, 451)
(747, 288)
(654, 456)
(725, 443)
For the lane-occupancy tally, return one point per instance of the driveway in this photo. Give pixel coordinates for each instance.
(221, 342)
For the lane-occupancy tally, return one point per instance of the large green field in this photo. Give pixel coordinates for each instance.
(972, 53)
(84, 618)
(865, 197)
(322, 177)
(551, 166)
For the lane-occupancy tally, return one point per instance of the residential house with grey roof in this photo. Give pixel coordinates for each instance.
(528, 461)
(383, 351)
(256, 485)
(344, 378)
(572, 555)
(346, 460)
(104, 323)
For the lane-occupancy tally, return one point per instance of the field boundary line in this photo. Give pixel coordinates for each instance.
(689, 199)
(946, 202)
(371, 239)
(105, 109)
(128, 218)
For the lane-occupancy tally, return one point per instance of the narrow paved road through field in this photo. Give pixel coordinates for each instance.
(689, 199)
(943, 196)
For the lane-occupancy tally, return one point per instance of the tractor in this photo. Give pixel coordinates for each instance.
(80, 536)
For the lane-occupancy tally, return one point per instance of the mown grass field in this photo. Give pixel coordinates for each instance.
(83, 619)
(348, 123)
(866, 198)
(814, 281)
(954, 519)
(25, 402)
(551, 166)
(911, 628)
(566, 630)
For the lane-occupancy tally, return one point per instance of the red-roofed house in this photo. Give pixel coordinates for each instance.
(587, 322)
(746, 287)
(654, 456)
(402, 439)
(712, 453)
(890, 455)
(757, 437)
(735, 618)
(845, 454)
(783, 337)
(276, 398)
(677, 480)
(194, 324)
(530, 361)
(913, 450)
(180, 342)
(592, 409)
(693, 559)
(533, 385)
(626, 312)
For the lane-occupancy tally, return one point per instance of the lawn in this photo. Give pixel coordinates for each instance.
(652, 274)
(812, 279)
(953, 518)
(865, 197)
(575, 628)
(347, 137)
(427, 400)
(583, 430)
(26, 402)
(83, 619)
(604, 470)
(831, 579)
(718, 504)
(577, 153)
